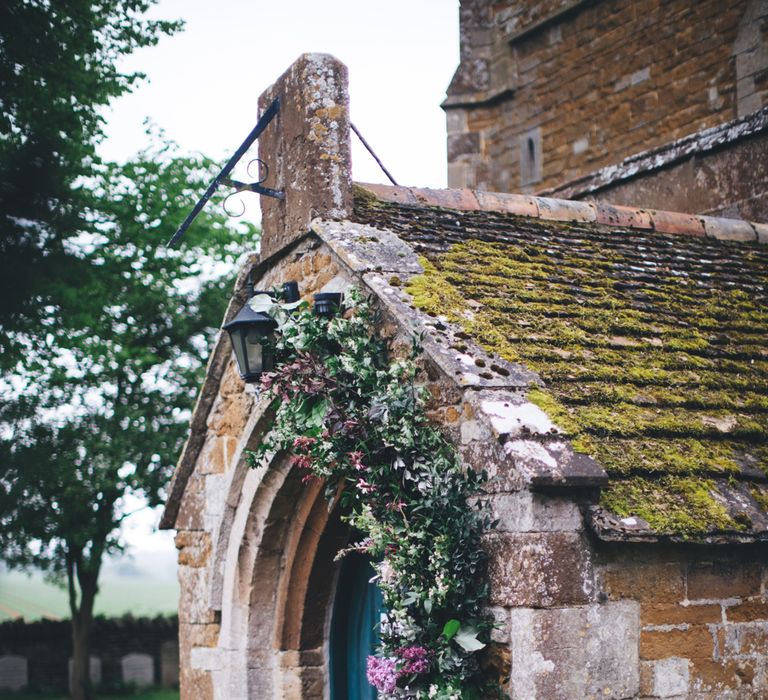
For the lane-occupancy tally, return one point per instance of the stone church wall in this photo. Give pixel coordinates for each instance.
(577, 618)
(548, 92)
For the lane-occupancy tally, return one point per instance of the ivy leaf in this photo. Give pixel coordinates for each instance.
(314, 410)
(467, 639)
(451, 628)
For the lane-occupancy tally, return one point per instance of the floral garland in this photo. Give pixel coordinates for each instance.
(351, 416)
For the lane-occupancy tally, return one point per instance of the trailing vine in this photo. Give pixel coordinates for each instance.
(353, 416)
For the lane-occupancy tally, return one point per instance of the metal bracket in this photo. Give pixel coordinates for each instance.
(222, 177)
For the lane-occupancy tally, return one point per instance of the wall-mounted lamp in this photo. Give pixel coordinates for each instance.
(252, 334)
(327, 304)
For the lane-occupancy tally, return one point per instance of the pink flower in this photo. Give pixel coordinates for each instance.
(382, 674)
(356, 458)
(417, 659)
(302, 461)
(364, 487)
(303, 442)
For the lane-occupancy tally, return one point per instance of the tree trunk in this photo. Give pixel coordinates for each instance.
(81, 677)
(82, 619)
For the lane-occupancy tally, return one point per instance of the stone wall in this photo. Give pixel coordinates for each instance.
(47, 647)
(713, 174)
(695, 185)
(550, 91)
(581, 619)
(703, 617)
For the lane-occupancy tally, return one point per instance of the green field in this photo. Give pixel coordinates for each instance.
(144, 593)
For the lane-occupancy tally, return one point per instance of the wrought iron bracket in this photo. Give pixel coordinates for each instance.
(254, 187)
(223, 179)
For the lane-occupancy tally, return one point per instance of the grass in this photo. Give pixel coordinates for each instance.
(30, 597)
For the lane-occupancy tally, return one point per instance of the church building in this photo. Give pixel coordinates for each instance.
(589, 296)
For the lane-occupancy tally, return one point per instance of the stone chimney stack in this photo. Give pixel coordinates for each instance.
(307, 149)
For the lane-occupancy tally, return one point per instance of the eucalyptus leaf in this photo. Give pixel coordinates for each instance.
(313, 411)
(294, 305)
(261, 303)
(410, 598)
(467, 639)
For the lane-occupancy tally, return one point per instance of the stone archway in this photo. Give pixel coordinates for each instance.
(277, 581)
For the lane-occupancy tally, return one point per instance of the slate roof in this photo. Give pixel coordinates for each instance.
(647, 329)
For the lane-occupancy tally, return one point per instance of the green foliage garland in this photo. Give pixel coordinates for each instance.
(352, 416)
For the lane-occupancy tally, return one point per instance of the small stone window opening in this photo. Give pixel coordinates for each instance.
(530, 157)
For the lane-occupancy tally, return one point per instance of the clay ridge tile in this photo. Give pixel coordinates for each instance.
(547, 208)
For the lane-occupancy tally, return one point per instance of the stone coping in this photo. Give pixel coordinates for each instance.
(602, 214)
(663, 156)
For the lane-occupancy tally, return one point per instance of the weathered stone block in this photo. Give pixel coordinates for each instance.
(307, 148)
(539, 570)
(524, 511)
(725, 679)
(195, 685)
(747, 638)
(211, 459)
(193, 598)
(215, 496)
(748, 611)
(192, 508)
(666, 678)
(579, 652)
(718, 579)
(676, 614)
(198, 635)
(653, 583)
(194, 547)
(205, 658)
(691, 642)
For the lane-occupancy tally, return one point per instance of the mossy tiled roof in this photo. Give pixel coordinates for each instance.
(652, 348)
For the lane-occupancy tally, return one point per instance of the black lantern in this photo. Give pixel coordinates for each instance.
(250, 332)
(252, 335)
(327, 304)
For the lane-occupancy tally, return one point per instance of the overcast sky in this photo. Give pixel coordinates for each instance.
(204, 83)
(203, 86)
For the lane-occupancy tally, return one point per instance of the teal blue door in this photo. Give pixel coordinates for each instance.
(354, 629)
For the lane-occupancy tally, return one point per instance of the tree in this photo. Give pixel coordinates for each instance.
(104, 402)
(58, 69)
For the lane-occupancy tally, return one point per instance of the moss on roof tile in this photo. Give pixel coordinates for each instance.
(652, 349)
